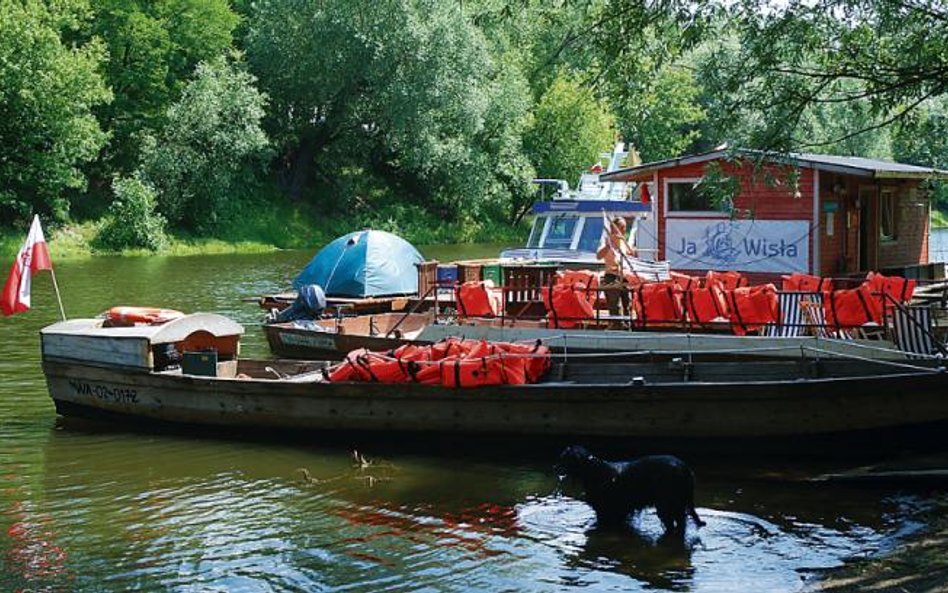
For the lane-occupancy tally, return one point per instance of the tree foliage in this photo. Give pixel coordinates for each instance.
(132, 222)
(417, 110)
(47, 93)
(404, 89)
(570, 128)
(886, 56)
(212, 140)
(154, 46)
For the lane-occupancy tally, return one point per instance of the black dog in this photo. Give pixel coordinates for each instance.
(614, 489)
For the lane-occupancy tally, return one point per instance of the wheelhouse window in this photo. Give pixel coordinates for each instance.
(683, 196)
(560, 233)
(591, 235)
(536, 232)
(888, 214)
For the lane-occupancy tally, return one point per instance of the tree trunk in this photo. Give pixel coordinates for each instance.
(301, 165)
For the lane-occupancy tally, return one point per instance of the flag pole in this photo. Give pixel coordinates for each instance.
(59, 298)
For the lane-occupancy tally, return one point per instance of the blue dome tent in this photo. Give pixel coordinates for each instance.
(364, 264)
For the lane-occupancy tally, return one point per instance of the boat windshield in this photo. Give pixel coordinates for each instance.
(592, 233)
(536, 232)
(560, 235)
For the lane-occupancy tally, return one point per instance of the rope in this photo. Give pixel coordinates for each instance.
(892, 363)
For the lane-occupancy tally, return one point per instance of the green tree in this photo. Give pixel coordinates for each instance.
(922, 139)
(882, 57)
(154, 46)
(405, 90)
(132, 221)
(570, 128)
(212, 146)
(659, 114)
(47, 93)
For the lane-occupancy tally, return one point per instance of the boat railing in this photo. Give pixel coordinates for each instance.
(522, 301)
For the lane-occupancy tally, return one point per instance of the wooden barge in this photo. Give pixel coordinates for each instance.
(128, 373)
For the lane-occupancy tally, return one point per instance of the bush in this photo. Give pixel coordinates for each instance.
(132, 221)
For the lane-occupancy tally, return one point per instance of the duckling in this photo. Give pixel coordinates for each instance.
(306, 477)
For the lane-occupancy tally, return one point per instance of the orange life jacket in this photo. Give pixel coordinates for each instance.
(567, 304)
(894, 287)
(473, 300)
(658, 302)
(704, 305)
(476, 372)
(851, 307)
(536, 358)
(727, 280)
(752, 307)
(350, 369)
(685, 281)
(587, 278)
(806, 283)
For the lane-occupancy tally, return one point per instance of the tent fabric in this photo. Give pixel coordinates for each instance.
(365, 263)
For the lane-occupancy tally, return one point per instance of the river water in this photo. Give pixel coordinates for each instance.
(90, 508)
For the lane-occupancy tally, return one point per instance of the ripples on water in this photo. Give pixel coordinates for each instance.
(89, 508)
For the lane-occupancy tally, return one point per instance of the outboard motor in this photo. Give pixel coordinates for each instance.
(309, 304)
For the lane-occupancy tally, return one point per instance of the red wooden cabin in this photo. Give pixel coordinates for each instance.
(816, 214)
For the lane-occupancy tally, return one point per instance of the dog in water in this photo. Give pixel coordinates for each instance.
(615, 489)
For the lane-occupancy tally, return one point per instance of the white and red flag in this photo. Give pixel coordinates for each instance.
(33, 257)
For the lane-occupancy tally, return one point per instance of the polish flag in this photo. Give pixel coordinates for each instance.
(33, 257)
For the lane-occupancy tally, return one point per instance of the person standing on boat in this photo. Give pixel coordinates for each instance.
(613, 251)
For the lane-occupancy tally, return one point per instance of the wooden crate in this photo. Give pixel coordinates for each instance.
(469, 272)
(427, 276)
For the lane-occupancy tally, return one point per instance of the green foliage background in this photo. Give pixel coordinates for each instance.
(145, 124)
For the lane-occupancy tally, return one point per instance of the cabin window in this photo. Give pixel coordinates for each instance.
(683, 196)
(560, 234)
(591, 235)
(536, 232)
(888, 214)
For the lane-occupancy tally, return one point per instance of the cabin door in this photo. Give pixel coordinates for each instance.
(868, 222)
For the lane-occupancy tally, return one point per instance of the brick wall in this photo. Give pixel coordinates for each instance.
(911, 242)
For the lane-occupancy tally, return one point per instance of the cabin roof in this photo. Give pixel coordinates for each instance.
(847, 165)
(172, 331)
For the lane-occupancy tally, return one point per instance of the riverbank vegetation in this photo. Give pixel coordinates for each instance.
(157, 125)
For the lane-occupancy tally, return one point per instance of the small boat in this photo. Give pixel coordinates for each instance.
(189, 371)
(332, 338)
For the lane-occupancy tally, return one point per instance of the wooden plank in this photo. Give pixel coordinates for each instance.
(130, 352)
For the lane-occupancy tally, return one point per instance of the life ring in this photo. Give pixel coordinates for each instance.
(149, 315)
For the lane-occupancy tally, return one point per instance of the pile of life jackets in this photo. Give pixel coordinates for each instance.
(716, 297)
(571, 298)
(453, 362)
(867, 303)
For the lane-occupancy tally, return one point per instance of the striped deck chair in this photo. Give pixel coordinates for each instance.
(792, 318)
(815, 318)
(912, 329)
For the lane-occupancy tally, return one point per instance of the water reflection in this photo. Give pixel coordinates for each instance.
(88, 508)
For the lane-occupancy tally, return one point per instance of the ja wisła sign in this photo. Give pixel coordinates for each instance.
(780, 246)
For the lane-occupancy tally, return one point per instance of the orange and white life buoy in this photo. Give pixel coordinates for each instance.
(149, 315)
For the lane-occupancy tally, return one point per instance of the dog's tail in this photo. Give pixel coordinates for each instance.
(695, 517)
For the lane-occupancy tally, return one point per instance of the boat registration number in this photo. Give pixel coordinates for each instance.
(119, 395)
(310, 341)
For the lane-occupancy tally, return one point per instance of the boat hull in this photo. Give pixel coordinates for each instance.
(294, 342)
(746, 409)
